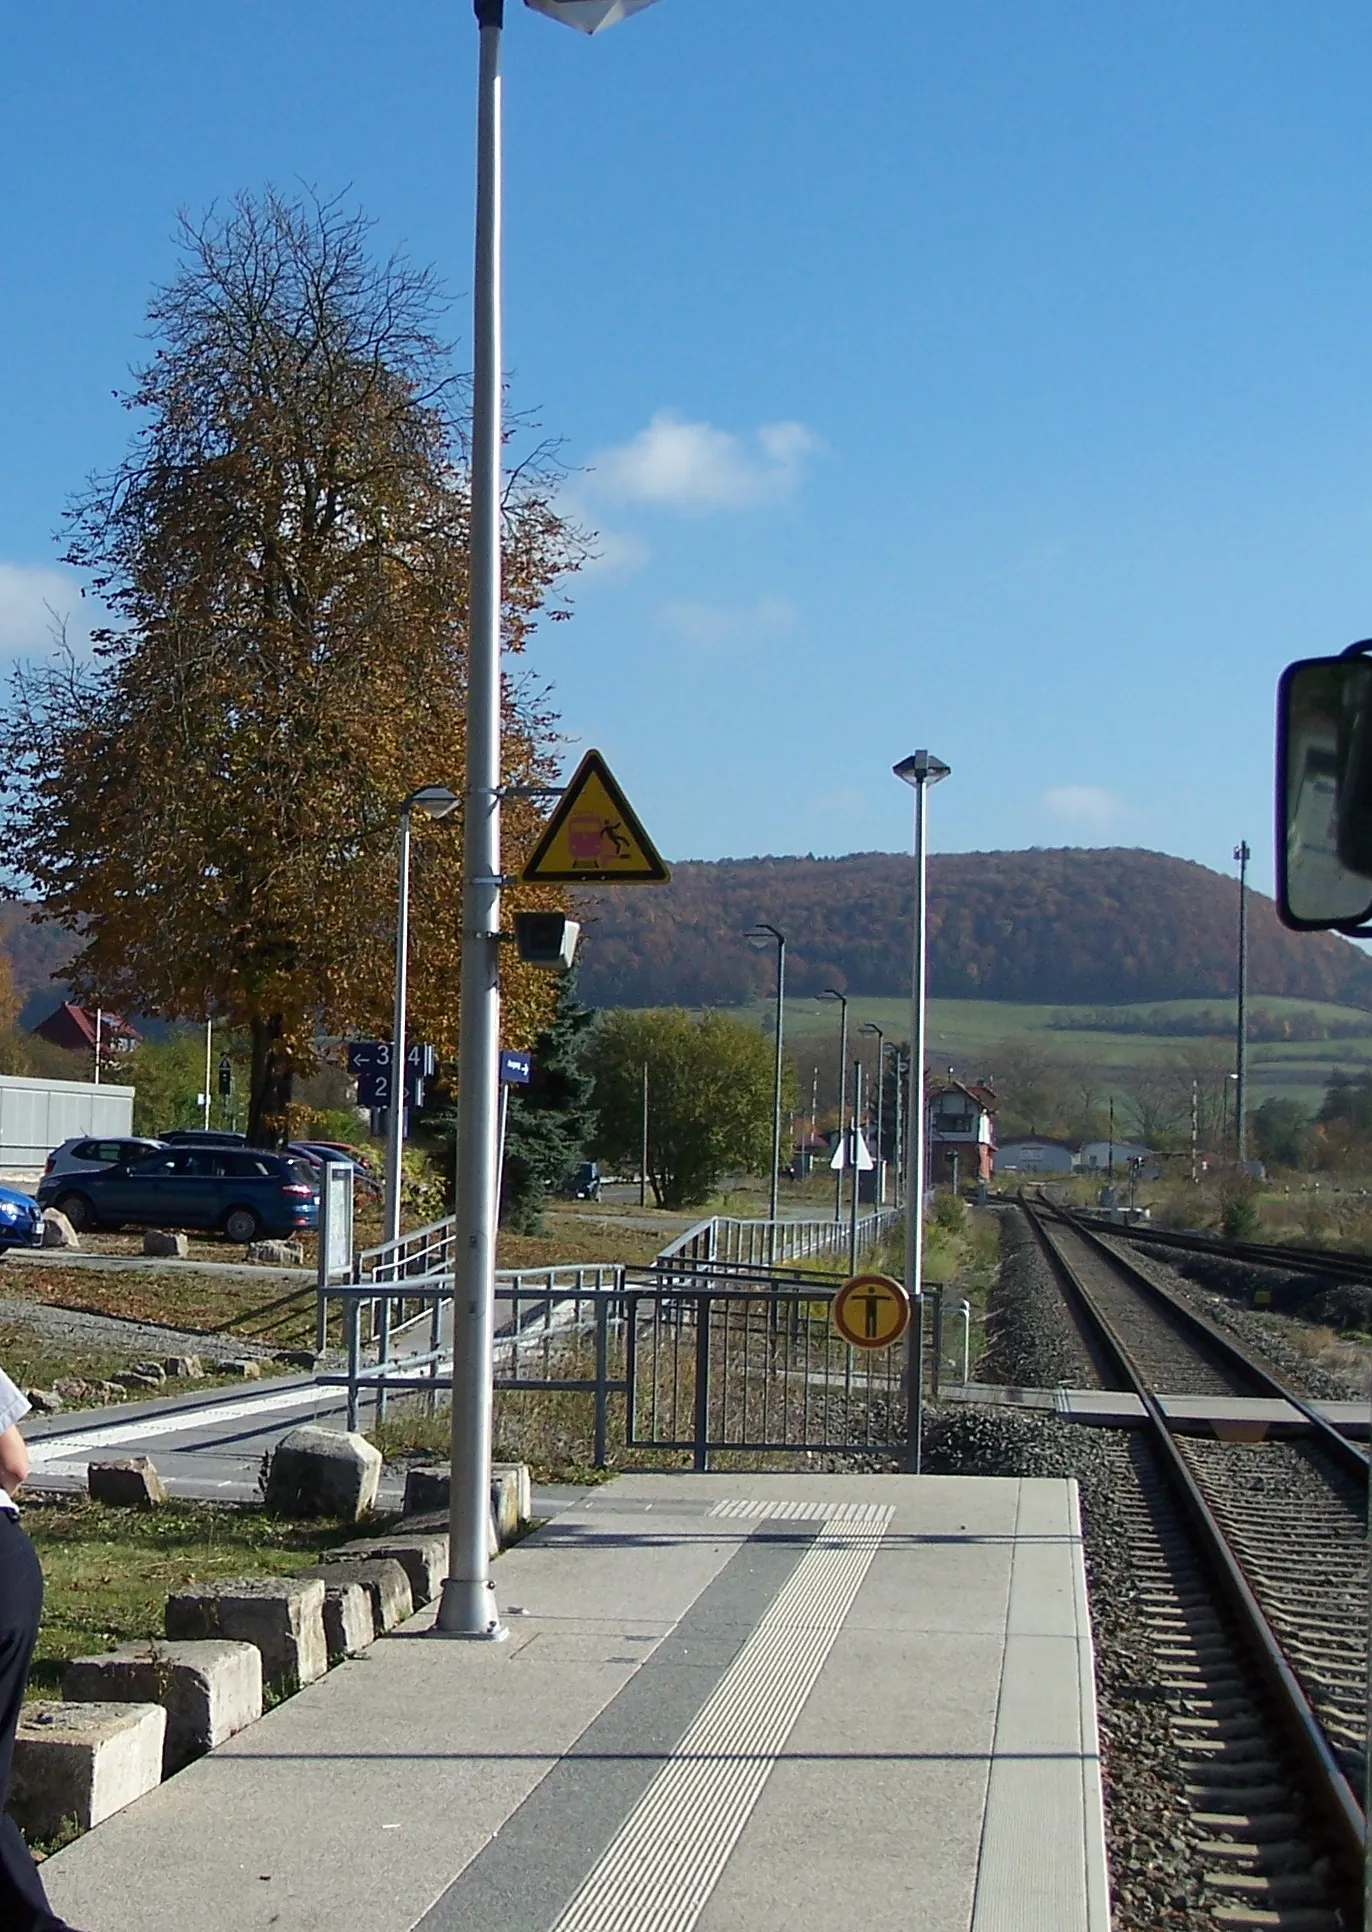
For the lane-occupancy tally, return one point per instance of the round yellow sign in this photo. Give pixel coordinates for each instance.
(871, 1311)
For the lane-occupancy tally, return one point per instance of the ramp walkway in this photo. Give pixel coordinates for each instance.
(726, 1702)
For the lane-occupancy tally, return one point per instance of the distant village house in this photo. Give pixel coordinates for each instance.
(73, 1028)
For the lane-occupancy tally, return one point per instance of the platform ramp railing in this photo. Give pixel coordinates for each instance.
(397, 1307)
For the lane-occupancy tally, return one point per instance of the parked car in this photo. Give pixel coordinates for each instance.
(81, 1153)
(322, 1152)
(244, 1192)
(203, 1137)
(21, 1220)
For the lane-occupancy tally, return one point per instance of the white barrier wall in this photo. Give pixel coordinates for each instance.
(38, 1115)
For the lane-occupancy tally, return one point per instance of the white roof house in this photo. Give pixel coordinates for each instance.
(1035, 1154)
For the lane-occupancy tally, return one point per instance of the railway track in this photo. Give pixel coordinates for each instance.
(1253, 1568)
(1332, 1263)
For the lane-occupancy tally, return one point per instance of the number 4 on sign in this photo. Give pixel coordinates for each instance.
(864, 1162)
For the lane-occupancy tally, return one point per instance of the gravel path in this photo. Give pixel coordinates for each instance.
(108, 1333)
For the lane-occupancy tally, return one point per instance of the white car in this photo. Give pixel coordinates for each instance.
(84, 1152)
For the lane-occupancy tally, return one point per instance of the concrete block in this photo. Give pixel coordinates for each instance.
(522, 1477)
(131, 1482)
(389, 1596)
(186, 1368)
(427, 1489)
(83, 1762)
(349, 1625)
(424, 1560)
(154, 1371)
(298, 1358)
(209, 1690)
(58, 1231)
(282, 1615)
(278, 1254)
(44, 1401)
(134, 1382)
(163, 1241)
(323, 1472)
(245, 1366)
(505, 1506)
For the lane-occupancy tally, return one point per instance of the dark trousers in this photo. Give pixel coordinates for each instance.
(23, 1902)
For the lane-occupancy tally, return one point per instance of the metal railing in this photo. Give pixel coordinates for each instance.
(577, 1327)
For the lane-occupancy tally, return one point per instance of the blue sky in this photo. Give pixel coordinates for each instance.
(993, 377)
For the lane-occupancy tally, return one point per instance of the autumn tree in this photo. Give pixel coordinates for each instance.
(710, 1088)
(211, 806)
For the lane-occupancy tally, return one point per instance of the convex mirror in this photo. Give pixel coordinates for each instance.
(1324, 791)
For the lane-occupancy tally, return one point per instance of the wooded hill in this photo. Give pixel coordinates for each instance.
(1068, 926)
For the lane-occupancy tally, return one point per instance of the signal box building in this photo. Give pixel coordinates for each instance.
(962, 1123)
(73, 1027)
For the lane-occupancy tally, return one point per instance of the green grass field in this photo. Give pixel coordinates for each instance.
(963, 1033)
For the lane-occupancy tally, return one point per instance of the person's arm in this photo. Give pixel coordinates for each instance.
(14, 1459)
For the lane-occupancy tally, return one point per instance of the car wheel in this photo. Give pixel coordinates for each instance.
(242, 1224)
(78, 1211)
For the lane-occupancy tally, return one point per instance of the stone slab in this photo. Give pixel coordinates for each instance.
(390, 1600)
(435, 1785)
(424, 1559)
(282, 1616)
(210, 1690)
(83, 1762)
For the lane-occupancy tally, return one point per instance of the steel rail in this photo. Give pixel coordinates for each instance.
(1332, 1263)
(1336, 1805)
(1347, 1454)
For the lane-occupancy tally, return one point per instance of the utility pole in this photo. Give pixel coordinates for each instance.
(643, 1145)
(99, 1025)
(1195, 1130)
(1242, 854)
(209, 1062)
(832, 993)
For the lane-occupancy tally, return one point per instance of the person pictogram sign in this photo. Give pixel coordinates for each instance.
(594, 834)
(871, 1311)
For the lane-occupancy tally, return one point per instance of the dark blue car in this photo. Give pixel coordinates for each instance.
(21, 1220)
(242, 1192)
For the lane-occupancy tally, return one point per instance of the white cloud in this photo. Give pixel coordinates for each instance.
(1088, 805)
(614, 553)
(694, 466)
(31, 597)
(711, 625)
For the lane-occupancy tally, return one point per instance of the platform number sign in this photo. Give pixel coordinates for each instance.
(373, 1064)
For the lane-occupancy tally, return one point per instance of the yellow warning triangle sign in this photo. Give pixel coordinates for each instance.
(594, 835)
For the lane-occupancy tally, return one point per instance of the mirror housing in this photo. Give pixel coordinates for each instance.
(1324, 792)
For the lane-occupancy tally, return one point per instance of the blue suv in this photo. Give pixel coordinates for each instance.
(21, 1220)
(244, 1192)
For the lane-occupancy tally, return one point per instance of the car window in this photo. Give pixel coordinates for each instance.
(248, 1166)
(301, 1171)
(201, 1163)
(129, 1150)
(154, 1164)
(105, 1150)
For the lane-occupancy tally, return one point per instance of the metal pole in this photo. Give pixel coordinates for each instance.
(880, 1200)
(916, 1125)
(395, 1118)
(643, 1146)
(467, 1607)
(209, 1048)
(99, 1019)
(776, 1096)
(1112, 1138)
(853, 1163)
(1242, 854)
(842, 1100)
(1195, 1123)
(898, 1150)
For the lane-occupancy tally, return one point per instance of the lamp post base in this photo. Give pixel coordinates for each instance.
(468, 1610)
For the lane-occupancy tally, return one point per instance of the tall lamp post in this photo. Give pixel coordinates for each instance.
(467, 1607)
(870, 1026)
(430, 801)
(921, 770)
(832, 993)
(762, 935)
(1243, 855)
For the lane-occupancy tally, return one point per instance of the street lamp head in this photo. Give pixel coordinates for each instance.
(870, 1026)
(921, 768)
(434, 801)
(832, 993)
(588, 16)
(762, 936)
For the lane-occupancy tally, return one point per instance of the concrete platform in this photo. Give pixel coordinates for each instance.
(727, 1702)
